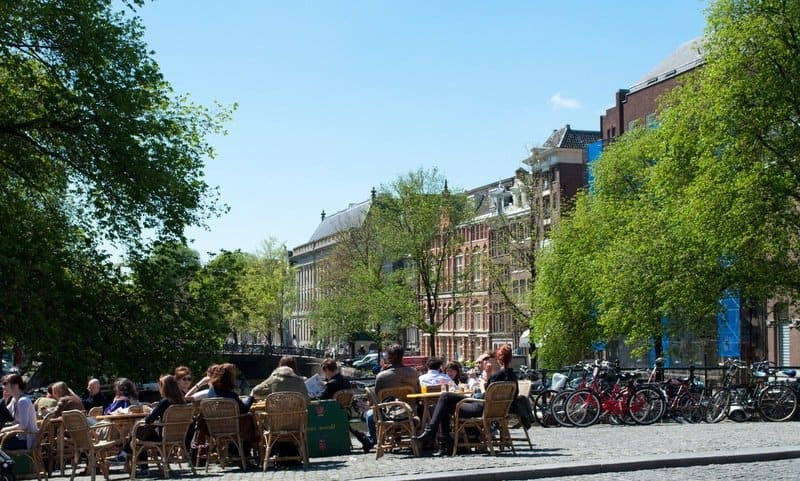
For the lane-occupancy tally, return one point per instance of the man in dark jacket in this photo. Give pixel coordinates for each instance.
(94, 397)
(336, 382)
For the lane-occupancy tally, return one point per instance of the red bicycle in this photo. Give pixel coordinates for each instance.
(620, 401)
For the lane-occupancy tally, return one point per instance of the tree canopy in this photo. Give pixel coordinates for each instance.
(95, 150)
(378, 274)
(702, 205)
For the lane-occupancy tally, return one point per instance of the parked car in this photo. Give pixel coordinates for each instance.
(367, 361)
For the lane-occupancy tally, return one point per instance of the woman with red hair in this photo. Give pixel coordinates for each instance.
(446, 406)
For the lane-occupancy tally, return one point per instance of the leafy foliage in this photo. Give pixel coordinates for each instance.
(704, 204)
(417, 220)
(96, 149)
(378, 273)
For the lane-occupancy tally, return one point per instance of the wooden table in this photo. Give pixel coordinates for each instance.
(122, 422)
(429, 400)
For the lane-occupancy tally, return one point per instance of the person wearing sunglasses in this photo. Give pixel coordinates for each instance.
(184, 377)
(23, 412)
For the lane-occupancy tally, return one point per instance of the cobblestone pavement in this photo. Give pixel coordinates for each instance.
(550, 446)
(785, 470)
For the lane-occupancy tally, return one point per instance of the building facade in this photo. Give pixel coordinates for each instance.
(637, 105)
(511, 221)
(307, 259)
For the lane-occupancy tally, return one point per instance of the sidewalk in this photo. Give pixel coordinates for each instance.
(556, 452)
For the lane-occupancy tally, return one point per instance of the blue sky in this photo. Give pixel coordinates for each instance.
(337, 97)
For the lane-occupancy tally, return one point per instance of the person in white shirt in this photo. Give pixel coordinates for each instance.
(21, 407)
(434, 376)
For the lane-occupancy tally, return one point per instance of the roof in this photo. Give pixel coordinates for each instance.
(351, 217)
(688, 56)
(567, 138)
(483, 203)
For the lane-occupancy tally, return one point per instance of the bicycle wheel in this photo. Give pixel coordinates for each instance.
(542, 408)
(688, 407)
(647, 405)
(558, 408)
(583, 408)
(718, 406)
(777, 402)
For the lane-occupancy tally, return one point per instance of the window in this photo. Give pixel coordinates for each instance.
(650, 121)
(460, 320)
(519, 289)
(476, 270)
(477, 317)
(459, 269)
(785, 346)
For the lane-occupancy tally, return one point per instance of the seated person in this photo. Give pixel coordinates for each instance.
(171, 394)
(434, 376)
(446, 405)
(223, 384)
(200, 390)
(22, 411)
(67, 399)
(46, 402)
(125, 396)
(282, 379)
(453, 371)
(394, 374)
(94, 397)
(336, 382)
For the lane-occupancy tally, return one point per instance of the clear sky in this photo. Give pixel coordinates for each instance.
(336, 97)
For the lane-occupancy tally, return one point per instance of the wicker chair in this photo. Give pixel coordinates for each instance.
(43, 443)
(222, 419)
(496, 403)
(82, 441)
(95, 411)
(174, 426)
(395, 421)
(285, 420)
(345, 399)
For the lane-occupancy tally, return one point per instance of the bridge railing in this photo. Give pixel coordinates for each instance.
(266, 349)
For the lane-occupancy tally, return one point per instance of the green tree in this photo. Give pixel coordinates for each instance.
(363, 290)
(177, 314)
(417, 219)
(706, 203)
(234, 266)
(95, 147)
(268, 289)
(562, 300)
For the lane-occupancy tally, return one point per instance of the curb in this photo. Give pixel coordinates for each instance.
(674, 460)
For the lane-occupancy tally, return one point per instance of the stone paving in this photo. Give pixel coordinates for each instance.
(784, 470)
(551, 446)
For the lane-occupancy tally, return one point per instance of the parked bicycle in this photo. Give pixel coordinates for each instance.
(614, 395)
(684, 395)
(771, 399)
(548, 406)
